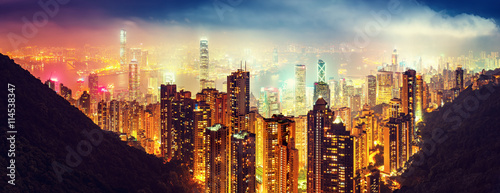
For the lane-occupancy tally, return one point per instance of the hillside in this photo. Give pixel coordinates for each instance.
(50, 130)
(466, 138)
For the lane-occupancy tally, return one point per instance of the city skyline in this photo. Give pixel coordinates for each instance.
(254, 96)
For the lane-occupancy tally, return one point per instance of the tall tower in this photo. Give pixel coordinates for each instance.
(459, 78)
(94, 93)
(384, 91)
(167, 94)
(238, 99)
(133, 80)
(123, 47)
(395, 57)
(280, 157)
(318, 119)
(243, 162)
(300, 90)
(202, 120)
(204, 62)
(217, 167)
(371, 90)
(321, 71)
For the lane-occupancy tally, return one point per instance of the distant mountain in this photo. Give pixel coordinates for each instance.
(53, 153)
(461, 146)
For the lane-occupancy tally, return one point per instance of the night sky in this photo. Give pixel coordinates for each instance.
(471, 23)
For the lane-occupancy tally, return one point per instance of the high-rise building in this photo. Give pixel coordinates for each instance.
(217, 154)
(114, 116)
(395, 57)
(371, 90)
(384, 87)
(94, 94)
(300, 90)
(419, 100)
(65, 92)
(373, 181)
(321, 71)
(459, 78)
(133, 80)
(338, 162)
(318, 119)
(84, 103)
(330, 152)
(238, 99)
(345, 114)
(202, 120)
(301, 139)
(123, 48)
(355, 103)
(243, 162)
(102, 115)
(280, 157)
(321, 90)
(269, 103)
(204, 65)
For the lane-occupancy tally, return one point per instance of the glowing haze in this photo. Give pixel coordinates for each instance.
(417, 27)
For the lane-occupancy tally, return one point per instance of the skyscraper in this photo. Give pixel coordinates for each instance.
(167, 94)
(123, 48)
(217, 167)
(300, 90)
(321, 71)
(371, 87)
(243, 162)
(204, 62)
(384, 87)
(321, 90)
(202, 120)
(459, 78)
(238, 99)
(330, 152)
(94, 93)
(318, 119)
(280, 157)
(133, 80)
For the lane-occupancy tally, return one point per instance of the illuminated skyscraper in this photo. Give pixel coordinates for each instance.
(217, 167)
(301, 139)
(371, 87)
(300, 90)
(102, 115)
(459, 78)
(114, 113)
(167, 94)
(94, 93)
(355, 103)
(373, 180)
(202, 120)
(345, 114)
(395, 57)
(238, 98)
(330, 152)
(318, 119)
(133, 80)
(419, 97)
(338, 162)
(321, 90)
(204, 62)
(243, 162)
(65, 92)
(321, 71)
(84, 103)
(280, 157)
(123, 48)
(269, 103)
(384, 84)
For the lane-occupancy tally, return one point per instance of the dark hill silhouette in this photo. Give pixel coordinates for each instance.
(466, 157)
(48, 125)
